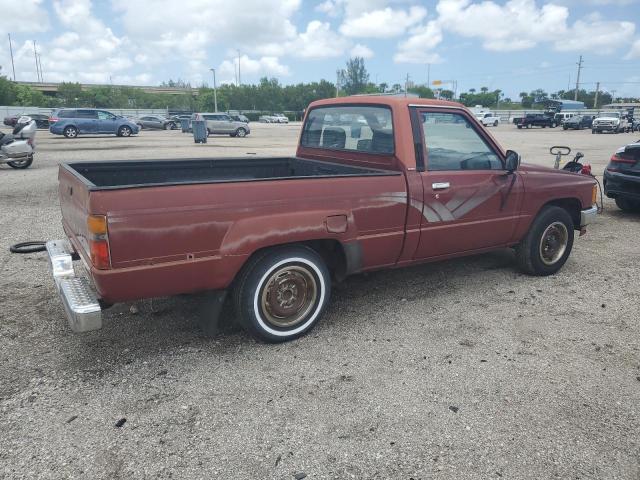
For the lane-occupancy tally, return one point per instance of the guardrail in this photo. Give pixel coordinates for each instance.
(6, 111)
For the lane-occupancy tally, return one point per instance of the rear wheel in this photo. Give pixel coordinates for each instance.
(70, 132)
(548, 243)
(281, 293)
(21, 164)
(627, 204)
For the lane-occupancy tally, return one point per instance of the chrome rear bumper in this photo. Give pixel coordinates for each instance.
(588, 216)
(78, 297)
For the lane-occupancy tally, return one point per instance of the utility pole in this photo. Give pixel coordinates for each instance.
(428, 75)
(613, 96)
(337, 83)
(12, 65)
(406, 85)
(575, 96)
(35, 55)
(595, 100)
(40, 62)
(215, 95)
(239, 77)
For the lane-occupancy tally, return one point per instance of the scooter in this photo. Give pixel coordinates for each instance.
(17, 148)
(574, 165)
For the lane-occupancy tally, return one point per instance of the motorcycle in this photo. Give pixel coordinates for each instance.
(17, 148)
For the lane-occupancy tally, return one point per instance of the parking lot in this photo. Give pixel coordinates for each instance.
(465, 369)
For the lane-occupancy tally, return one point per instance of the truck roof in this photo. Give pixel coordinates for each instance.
(387, 100)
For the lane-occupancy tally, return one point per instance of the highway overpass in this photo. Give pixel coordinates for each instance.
(50, 87)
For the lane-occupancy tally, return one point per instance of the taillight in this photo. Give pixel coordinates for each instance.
(619, 161)
(53, 119)
(98, 242)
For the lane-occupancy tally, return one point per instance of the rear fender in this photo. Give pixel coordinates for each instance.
(248, 235)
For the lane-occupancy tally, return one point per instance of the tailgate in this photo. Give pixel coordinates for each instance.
(74, 203)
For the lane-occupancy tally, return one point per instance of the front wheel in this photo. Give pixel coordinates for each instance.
(495, 124)
(548, 243)
(21, 164)
(241, 132)
(281, 293)
(554, 125)
(124, 131)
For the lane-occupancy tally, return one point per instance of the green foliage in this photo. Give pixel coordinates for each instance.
(484, 98)
(355, 78)
(422, 91)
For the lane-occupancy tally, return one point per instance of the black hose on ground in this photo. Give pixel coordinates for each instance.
(28, 247)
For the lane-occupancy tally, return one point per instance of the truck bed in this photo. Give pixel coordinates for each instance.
(153, 173)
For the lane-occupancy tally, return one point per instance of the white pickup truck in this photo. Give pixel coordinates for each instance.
(610, 121)
(488, 118)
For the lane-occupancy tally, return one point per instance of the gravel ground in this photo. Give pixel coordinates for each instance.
(457, 370)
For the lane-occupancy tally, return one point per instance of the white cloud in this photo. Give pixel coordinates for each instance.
(634, 52)
(318, 41)
(360, 50)
(24, 16)
(596, 36)
(516, 25)
(418, 47)
(383, 23)
(263, 66)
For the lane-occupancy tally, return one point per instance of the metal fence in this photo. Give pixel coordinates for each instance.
(509, 115)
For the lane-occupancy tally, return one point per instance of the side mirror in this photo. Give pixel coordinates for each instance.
(512, 161)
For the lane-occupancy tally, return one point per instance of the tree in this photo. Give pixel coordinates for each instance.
(422, 91)
(355, 78)
(383, 87)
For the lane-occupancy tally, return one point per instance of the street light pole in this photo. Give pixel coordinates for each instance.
(215, 93)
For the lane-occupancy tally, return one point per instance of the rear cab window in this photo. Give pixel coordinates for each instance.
(357, 128)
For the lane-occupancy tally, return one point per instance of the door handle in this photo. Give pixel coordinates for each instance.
(440, 185)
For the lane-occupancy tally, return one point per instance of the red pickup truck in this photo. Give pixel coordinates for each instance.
(377, 182)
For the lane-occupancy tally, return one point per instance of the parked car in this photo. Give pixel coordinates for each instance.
(622, 177)
(265, 119)
(279, 118)
(221, 123)
(42, 121)
(156, 122)
(488, 118)
(562, 117)
(578, 122)
(277, 231)
(72, 122)
(536, 120)
(614, 122)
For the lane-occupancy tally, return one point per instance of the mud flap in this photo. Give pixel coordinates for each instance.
(209, 308)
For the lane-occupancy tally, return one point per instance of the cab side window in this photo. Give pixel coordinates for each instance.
(453, 144)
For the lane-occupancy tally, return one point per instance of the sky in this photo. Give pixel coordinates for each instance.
(515, 45)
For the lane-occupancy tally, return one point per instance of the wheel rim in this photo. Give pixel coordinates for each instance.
(126, 131)
(553, 243)
(288, 296)
(241, 132)
(71, 132)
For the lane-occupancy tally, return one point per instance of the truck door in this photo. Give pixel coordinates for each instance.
(470, 201)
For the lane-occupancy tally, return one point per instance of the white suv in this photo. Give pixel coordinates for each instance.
(488, 118)
(279, 118)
